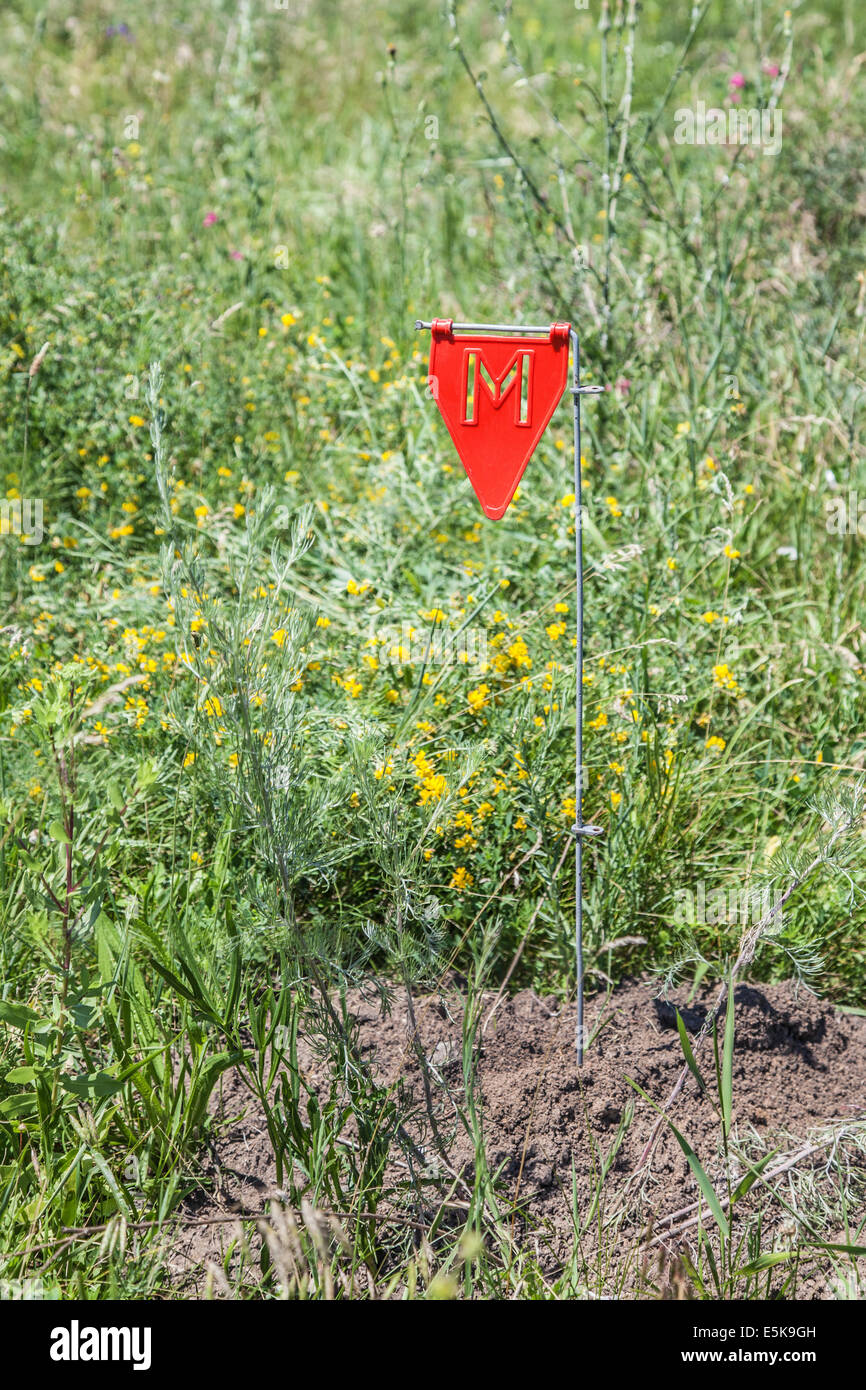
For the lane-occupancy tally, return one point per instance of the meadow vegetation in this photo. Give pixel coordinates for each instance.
(280, 712)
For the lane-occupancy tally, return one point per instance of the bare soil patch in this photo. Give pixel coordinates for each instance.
(800, 1066)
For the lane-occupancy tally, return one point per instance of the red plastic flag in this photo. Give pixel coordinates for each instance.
(496, 395)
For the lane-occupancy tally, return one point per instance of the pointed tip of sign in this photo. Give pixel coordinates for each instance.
(495, 513)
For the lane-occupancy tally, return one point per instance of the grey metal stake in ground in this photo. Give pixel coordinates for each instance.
(580, 830)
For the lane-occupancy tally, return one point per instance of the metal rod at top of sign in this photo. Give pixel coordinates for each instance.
(579, 830)
(491, 327)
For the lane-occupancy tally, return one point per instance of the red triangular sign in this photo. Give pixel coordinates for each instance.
(496, 395)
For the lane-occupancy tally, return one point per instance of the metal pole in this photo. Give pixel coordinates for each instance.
(579, 829)
(578, 740)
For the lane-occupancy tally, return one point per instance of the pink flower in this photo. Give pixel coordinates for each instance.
(771, 69)
(736, 82)
(236, 255)
(210, 218)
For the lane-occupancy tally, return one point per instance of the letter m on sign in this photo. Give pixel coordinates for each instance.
(515, 381)
(496, 395)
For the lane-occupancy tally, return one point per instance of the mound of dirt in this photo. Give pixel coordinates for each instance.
(799, 1066)
(797, 1063)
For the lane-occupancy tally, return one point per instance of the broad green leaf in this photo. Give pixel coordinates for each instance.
(17, 1107)
(146, 774)
(178, 985)
(688, 1053)
(111, 1182)
(706, 1245)
(99, 1083)
(33, 1210)
(703, 967)
(765, 1261)
(57, 831)
(703, 1182)
(103, 1083)
(751, 1177)
(21, 1076)
(19, 1015)
(200, 1091)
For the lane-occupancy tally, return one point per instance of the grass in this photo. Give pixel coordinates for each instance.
(232, 780)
